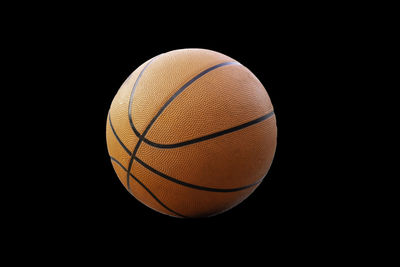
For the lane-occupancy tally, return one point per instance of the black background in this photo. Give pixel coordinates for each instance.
(81, 200)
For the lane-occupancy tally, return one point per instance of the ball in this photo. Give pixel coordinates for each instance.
(191, 133)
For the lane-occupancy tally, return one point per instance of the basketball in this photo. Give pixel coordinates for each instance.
(191, 133)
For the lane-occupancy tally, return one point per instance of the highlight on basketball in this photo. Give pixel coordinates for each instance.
(191, 133)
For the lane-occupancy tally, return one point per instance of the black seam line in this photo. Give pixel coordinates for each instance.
(163, 175)
(116, 136)
(131, 99)
(210, 136)
(174, 96)
(201, 74)
(181, 90)
(221, 190)
(148, 190)
(131, 121)
(133, 155)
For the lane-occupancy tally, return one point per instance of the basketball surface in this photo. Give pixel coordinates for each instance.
(191, 133)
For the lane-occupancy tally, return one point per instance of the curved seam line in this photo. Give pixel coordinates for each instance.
(131, 98)
(163, 175)
(209, 136)
(198, 187)
(148, 190)
(131, 121)
(180, 90)
(187, 84)
(117, 137)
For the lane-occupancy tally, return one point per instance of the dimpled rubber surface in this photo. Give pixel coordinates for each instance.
(203, 133)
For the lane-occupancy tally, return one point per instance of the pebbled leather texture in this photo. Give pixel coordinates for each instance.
(189, 180)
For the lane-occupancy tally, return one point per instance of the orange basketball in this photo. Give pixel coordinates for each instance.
(191, 133)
